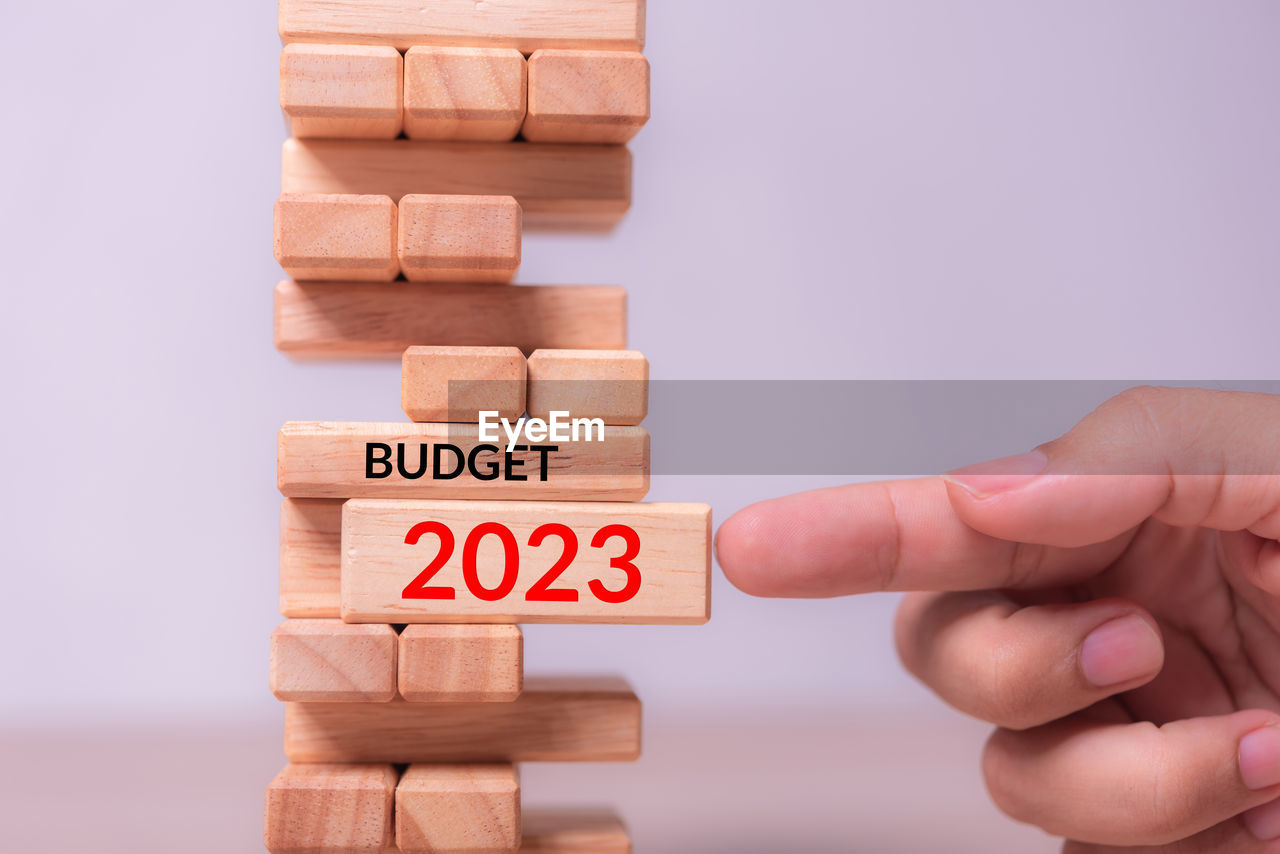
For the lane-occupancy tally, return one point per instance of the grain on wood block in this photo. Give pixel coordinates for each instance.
(330, 809)
(458, 383)
(332, 661)
(464, 93)
(458, 809)
(351, 91)
(612, 385)
(461, 664)
(574, 831)
(580, 96)
(344, 237)
(459, 238)
(554, 720)
(310, 557)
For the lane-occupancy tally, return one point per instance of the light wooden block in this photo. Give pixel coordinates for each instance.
(330, 809)
(332, 661)
(557, 186)
(459, 238)
(612, 385)
(458, 383)
(310, 557)
(332, 459)
(586, 96)
(352, 91)
(458, 809)
(574, 831)
(342, 320)
(522, 24)
(525, 562)
(336, 237)
(461, 664)
(469, 93)
(554, 720)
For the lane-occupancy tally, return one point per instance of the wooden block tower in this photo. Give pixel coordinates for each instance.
(427, 134)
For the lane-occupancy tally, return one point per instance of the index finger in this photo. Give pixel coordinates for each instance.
(892, 535)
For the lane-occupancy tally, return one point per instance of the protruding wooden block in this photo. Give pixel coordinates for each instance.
(574, 831)
(459, 238)
(332, 459)
(333, 90)
(525, 562)
(458, 809)
(554, 720)
(557, 186)
(461, 664)
(586, 96)
(471, 93)
(612, 385)
(310, 557)
(458, 383)
(344, 237)
(332, 661)
(340, 320)
(522, 24)
(330, 809)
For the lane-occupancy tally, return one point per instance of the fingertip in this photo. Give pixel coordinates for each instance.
(742, 548)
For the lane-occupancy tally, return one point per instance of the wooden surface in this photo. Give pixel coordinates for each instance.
(459, 238)
(558, 186)
(458, 809)
(608, 384)
(342, 237)
(662, 575)
(330, 90)
(327, 459)
(554, 720)
(310, 557)
(461, 664)
(523, 24)
(340, 320)
(332, 661)
(464, 93)
(329, 809)
(574, 831)
(586, 96)
(456, 384)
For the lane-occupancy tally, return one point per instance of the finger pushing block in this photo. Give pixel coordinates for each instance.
(612, 385)
(458, 383)
(458, 809)
(330, 809)
(459, 238)
(336, 237)
(464, 93)
(330, 661)
(586, 96)
(351, 91)
(477, 664)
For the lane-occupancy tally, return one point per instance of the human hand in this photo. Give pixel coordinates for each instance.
(1110, 601)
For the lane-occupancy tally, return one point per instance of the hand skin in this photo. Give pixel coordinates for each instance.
(1110, 601)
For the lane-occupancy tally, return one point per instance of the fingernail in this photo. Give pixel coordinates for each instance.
(1002, 475)
(1264, 821)
(1260, 758)
(1120, 651)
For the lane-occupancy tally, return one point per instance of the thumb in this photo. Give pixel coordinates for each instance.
(1182, 456)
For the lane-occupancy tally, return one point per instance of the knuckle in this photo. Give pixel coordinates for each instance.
(1001, 780)
(1009, 691)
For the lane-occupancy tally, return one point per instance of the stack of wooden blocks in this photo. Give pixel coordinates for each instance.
(411, 551)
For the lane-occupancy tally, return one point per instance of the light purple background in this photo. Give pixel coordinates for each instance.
(826, 190)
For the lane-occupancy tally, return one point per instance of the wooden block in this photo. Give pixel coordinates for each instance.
(554, 720)
(574, 831)
(586, 96)
(332, 90)
(458, 383)
(461, 664)
(522, 24)
(470, 93)
(458, 809)
(340, 320)
(525, 562)
(343, 809)
(609, 384)
(459, 238)
(557, 186)
(344, 237)
(331, 459)
(310, 557)
(331, 661)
